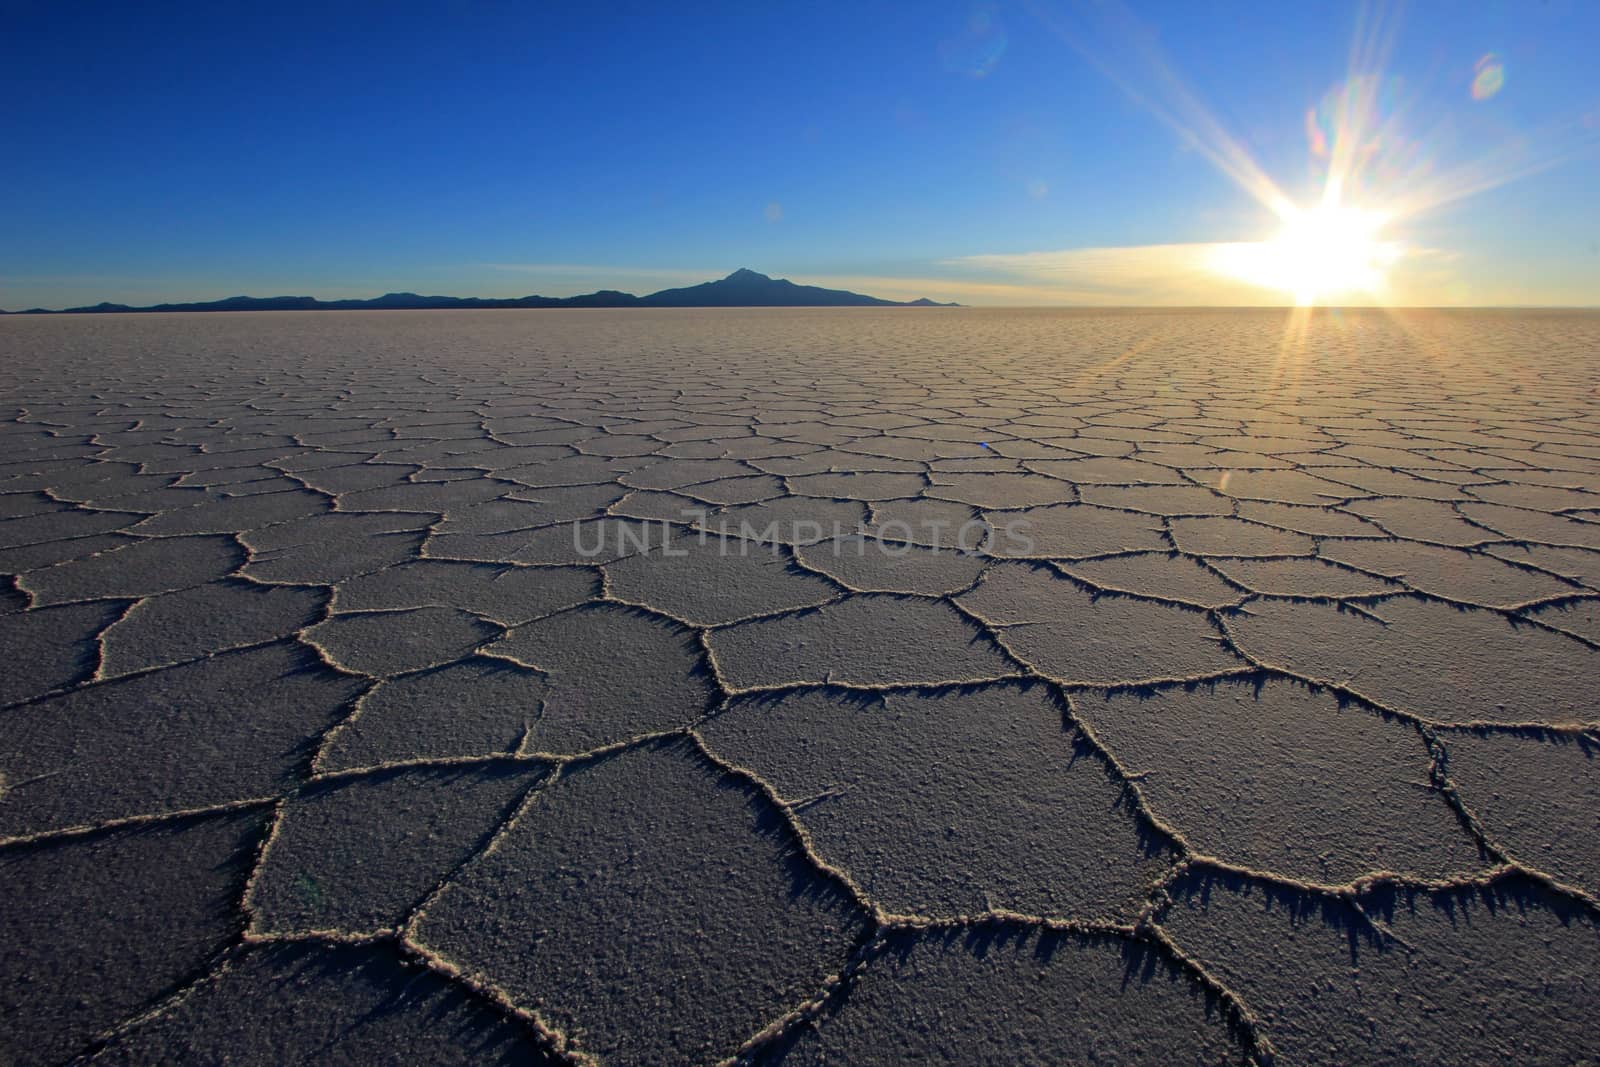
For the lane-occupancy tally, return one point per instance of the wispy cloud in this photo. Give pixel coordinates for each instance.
(1176, 274)
(1143, 275)
(567, 279)
(965, 290)
(968, 283)
(1193, 275)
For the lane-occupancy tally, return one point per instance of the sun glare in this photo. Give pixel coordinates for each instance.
(1330, 253)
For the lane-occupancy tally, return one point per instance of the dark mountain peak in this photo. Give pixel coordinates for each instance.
(748, 288)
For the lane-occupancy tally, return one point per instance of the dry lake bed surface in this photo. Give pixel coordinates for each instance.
(819, 686)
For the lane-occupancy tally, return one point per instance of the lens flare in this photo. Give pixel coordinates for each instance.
(978, 48)
(1489, 77)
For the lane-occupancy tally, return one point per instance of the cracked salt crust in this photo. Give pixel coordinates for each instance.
(323, 734)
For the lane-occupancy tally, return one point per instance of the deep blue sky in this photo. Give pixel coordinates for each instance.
(159, 151)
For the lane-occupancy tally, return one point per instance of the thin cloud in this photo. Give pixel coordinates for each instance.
(1170, 274)
(944, 289)
(567, 279)
(592, 269)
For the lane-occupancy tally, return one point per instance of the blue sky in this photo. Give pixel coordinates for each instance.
(1009, 153)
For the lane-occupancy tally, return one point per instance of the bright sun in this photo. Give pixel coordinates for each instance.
(1321, 255)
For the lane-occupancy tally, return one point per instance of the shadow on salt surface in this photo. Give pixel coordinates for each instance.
(1142, 961)
(809, 880)
(1008, 991)
(326, 1002)
(1357, 917)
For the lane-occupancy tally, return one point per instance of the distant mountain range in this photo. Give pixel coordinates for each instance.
(742, 288)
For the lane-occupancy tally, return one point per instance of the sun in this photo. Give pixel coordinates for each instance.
(1327, 254)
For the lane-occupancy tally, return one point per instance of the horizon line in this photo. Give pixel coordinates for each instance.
(161, 309)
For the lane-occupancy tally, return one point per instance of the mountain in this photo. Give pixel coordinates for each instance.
(746, 288)
(742, 288)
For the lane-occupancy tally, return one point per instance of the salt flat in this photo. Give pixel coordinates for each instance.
(800, 686)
